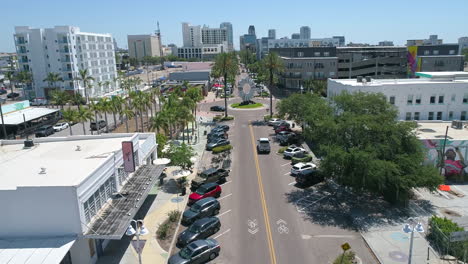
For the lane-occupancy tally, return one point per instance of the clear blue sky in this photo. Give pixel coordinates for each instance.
(367, 21)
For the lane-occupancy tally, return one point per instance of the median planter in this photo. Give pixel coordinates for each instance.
(220, 149)
(306, 158)
(222, 118)
(246, 106)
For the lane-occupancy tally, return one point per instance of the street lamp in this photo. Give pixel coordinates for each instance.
(139, 229)
(411, 229)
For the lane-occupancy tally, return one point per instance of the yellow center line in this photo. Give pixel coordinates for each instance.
(262, 198)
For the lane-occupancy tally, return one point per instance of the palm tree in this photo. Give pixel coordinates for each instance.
(84, 77)
(77, 99)
(59, 98)
(52, 79)
(137, 81)
(24, 77)
(10, 76)
(100, 84)
(273, 65)
(70, 116)
(159, 122)
(104, 106)
(94, 108)
(226, 65)
(195, 94)
(83, 115)
(107, 85)
(116, 103)
(128, 113)
(133, 104)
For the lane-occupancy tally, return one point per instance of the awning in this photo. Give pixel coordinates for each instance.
(115, 218)
(35, 250)
(28, 114)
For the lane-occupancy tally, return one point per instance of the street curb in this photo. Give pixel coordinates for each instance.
(370, 249)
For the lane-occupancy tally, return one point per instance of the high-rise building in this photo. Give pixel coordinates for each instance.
(295, 36)
(272, 33)
(305, 32)
(140, 46)
(251, 30)
(65, 50)
(463, 44)
(214, 35)
(341, 40)
(192, 36)
(433, 40)
(230, 34)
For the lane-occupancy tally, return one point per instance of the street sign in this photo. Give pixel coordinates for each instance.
(459, 236)
(138, 247)
(345, 246)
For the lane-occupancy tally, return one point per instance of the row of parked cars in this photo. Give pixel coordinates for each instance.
(195, 243)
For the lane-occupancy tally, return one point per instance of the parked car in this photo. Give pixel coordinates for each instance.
(44, 131)
(293, 151)
(61, 126)
(303, 168)
(216, 135)
(217, 143)
(210, 175)
(263, 145)
(282, 128)
(217, 108)
(203, 208)
(97, 126)
(281, 123)
(3, 91)
(200, 229)
(286, 138)
(283, 134)
(13, 95)
(200, 251)
(221, 127)
(206, 190)
(38, 101)
(274, 121)
(309, 179)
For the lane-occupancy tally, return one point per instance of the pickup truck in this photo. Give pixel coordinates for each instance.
(210, 175)
(263, 145)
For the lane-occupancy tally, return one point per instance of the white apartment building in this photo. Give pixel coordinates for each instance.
(66, 50)
(434, 96)
(64, 199)
(230, 34)
(214, 35)
(462, 44)
(303, 43)
(140, 46)
(191, 35)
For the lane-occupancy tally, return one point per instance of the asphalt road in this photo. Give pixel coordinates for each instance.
(264, 216)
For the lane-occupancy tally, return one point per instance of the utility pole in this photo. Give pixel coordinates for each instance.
(3, 122)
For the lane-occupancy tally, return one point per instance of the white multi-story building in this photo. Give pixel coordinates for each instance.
(305, 32)
(140, 46)
(191, 35)
(66, 50)
(462, 44)
(434, 96)
(212, 36)
(64, 199)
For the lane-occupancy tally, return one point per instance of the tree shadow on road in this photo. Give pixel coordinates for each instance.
(335, 206)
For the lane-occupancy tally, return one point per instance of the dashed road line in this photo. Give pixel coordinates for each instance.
(222, 233)
(289, 163)
(287, 173)
(294, 182)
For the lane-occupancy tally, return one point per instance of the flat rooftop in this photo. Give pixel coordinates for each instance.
(64, 165)
(436, 130)
(426, 78)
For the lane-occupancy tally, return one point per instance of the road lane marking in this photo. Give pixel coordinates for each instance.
(262, 198)
(219, 199)
(225, 212)
(222, 233)
(226, 182)
(334, 236)
(286, 164)
(294, 182)
(287, 173)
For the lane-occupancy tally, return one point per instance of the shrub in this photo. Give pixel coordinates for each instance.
(173, 215)
(239, 105)
(439, 234)
(162, 230)
(348, 258)
(221, 149)
(222, 118)
(281, 150)
(306, 158)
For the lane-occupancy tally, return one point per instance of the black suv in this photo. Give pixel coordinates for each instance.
(217, 108)
(101, 124)
(200, 229)
(210, 175)
(221, 128)
(44, 131)
(203, 208)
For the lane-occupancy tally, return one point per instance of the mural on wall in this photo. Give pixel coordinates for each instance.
(414, 63)
(453, 163)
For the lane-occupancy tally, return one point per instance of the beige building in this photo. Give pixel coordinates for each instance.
(140, 46)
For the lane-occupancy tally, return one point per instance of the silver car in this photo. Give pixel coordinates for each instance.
(293, 151)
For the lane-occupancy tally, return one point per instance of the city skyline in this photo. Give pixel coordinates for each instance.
(350, 20)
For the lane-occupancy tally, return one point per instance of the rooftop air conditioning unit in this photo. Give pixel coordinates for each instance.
(28, 143)
(359, 79)
(368, 79)
(457, 124)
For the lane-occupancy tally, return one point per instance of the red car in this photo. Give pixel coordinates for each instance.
(282, 128)
(204, 191)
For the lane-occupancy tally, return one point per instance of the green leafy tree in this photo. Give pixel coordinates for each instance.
(227, 66)
(128, 113)
(363, 145)
(181, 155)
(83, 115)
(10, 76)
(70, 116)
(162, 141)
(104, 106)
(59, 98)
(316, 86)
(25, 78)
(272, 65)
(86, 79)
